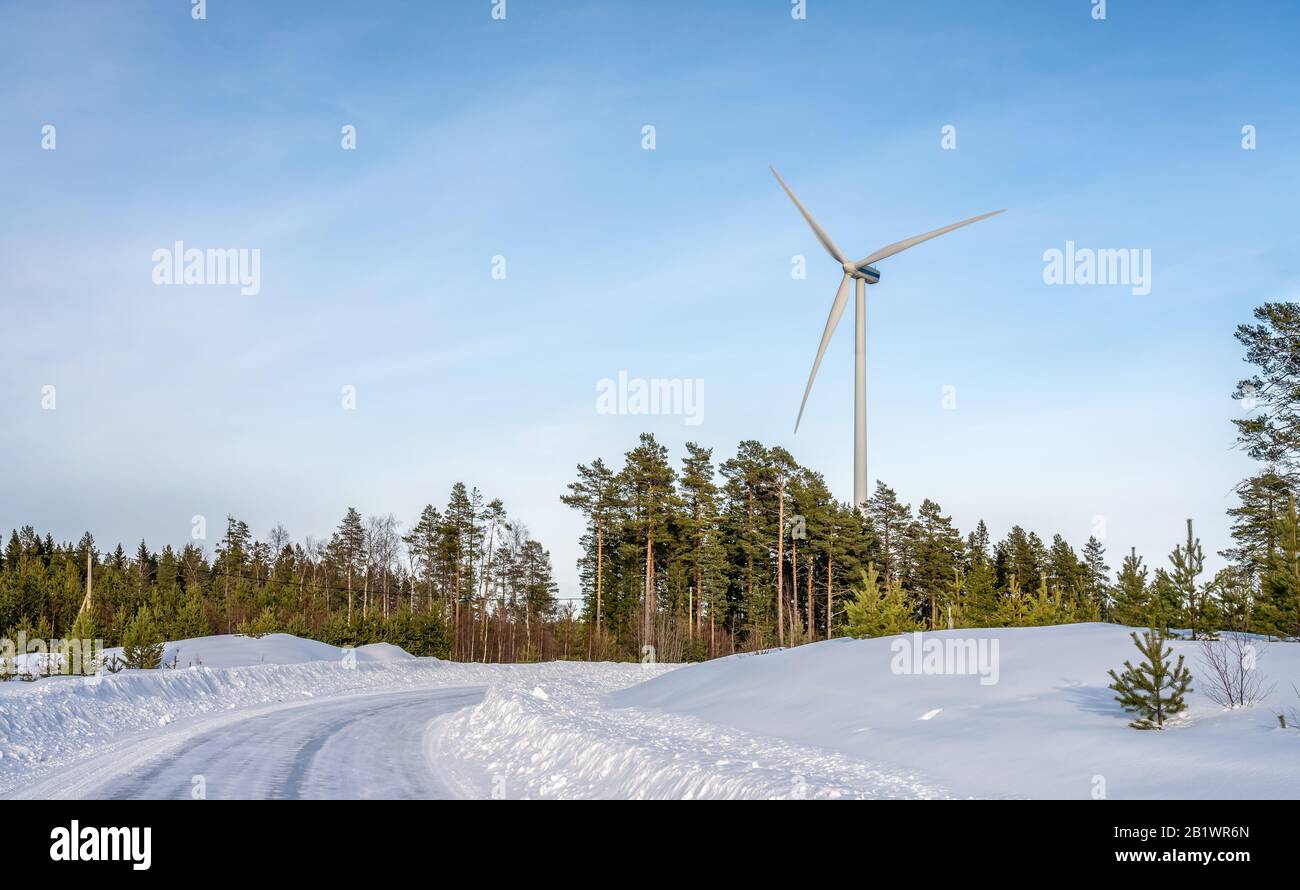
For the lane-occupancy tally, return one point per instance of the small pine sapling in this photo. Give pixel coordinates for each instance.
(1153, 690)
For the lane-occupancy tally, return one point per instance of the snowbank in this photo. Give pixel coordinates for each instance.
(236, 650)
(1048, 726)
(560, 739)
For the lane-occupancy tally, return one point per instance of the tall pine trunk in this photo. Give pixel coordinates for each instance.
(780, 564)
(794, 583)
(600, 548)
(830, 595)
(812, 634)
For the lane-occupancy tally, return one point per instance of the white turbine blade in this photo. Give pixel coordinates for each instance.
(825, 239)
(900, 246)
(837, 309)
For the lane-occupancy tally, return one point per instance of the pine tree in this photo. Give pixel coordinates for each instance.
(422, 544)
(1013, 605)
(1153, 691)
(460, 540)
(1277, 611)
(1273, 346)
(190, 620)
(890, 521)
(874, 612)
(847, 547)
(705, 556)
(935, 549)
(1096, 579)
(1193, 601)
(146, 568)
(810, 526)
(1064, 569)
(232, 554)
(142, 642)
(783, 467)
(1166, 602)
(351, 538)
(748, 487)
(1132, 594)
(83, 635)
(1050, 606)
(647, 482)
(595, 495)
(1233, 594)
(1255, 522)
(265, 623)
(1021, 554)
(980, 606)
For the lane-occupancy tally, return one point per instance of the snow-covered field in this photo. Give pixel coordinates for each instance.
(281, 716)
(1049, 726)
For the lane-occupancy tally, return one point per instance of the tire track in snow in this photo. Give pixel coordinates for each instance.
(351, 747)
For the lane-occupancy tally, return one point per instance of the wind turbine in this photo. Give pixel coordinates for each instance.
(863, 273)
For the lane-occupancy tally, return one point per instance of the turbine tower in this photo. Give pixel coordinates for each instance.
(864, 273)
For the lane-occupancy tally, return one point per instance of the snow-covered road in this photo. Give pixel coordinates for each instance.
(351, 747)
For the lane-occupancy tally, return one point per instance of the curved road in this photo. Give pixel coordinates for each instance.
(355, 747)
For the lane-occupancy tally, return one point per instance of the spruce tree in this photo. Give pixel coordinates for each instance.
(1153, 691)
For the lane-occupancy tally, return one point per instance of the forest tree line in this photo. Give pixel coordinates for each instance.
(706, 559)
(465, 582)
(690, 559)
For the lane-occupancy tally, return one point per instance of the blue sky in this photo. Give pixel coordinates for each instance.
(523, 138)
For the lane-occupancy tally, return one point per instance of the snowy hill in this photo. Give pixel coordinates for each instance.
(1046, 728)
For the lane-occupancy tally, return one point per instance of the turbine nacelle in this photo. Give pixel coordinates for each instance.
(869, 274)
